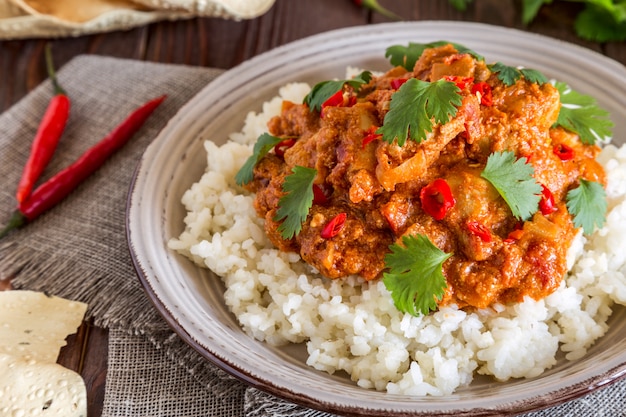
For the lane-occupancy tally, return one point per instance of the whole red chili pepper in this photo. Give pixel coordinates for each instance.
(547, 204)
(283, 145)
(564, 152)
(483, 91)
(375, 6)
(437, 198)
(480, 230)
(334, 226)
(47, 136)
(62, 184)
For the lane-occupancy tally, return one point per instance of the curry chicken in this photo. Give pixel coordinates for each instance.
(369, 193)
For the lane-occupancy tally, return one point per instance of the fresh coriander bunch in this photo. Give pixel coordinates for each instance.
(599, 21)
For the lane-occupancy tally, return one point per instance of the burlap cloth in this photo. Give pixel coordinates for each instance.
(79, 251)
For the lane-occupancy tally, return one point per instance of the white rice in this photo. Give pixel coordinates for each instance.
(352, 325)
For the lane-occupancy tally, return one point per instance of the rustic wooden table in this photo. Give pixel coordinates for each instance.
(223, 44)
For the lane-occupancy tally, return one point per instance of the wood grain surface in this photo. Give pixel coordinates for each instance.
(218, 43)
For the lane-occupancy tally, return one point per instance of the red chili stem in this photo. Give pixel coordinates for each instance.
(62, 184)
(47, 137)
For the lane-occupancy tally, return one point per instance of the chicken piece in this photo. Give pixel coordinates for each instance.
(397, 165)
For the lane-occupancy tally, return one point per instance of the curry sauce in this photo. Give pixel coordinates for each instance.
(369, 193)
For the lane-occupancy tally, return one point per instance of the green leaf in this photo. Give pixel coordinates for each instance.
(533, 76)
(322, 91)
(407, 56)
(602, 24)
(587, 203)
(414, 106)
(513, 179)
(460, 5)
(263, 145)
(294, 206)
(509, 75)
(415, 278)
(530, 8)
(581, 114)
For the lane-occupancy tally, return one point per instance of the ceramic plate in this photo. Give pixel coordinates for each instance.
(190, 298)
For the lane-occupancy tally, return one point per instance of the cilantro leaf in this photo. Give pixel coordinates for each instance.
(407, 56)
(509, 75)
(460, 5)
(513, 178)
(602, 22)
(414, 106)
(322, 91)
(530, 8)
(415, 278)
(294, 206)
(582, 115)
(263, 145)
(587, 203)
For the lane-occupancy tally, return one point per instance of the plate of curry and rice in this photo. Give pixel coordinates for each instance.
(303, 230)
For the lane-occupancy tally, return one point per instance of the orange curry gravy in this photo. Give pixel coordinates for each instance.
(377, 184)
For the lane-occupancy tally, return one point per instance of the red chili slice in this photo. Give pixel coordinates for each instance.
(480, 230)
(335, 100)
(483, 91)
(514, 235)
(437, 198)
(397, 83)
(460, 82)
(371, 136)
(319, 196)
(283, 145)
(547, 204)
(564, 152)
(334, 226)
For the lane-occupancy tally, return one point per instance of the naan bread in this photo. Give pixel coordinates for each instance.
(78, 11)
(21, 19)
(236, 9)
(33, 328)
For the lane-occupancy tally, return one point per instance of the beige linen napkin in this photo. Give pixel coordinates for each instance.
(46, 18)
(79, 251)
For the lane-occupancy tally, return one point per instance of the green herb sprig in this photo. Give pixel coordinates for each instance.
(599, 21)
(587, 203)
(263, 145)
(414, 108)
(294, 206)
(415, 278)
(582, 115)
(513, 179)
(322, 91)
